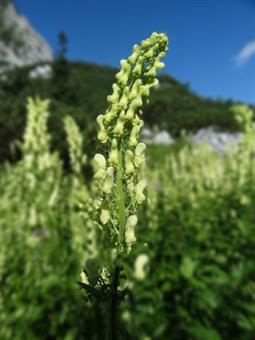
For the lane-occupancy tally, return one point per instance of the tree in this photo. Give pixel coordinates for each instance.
(62, 41)
(61, 69)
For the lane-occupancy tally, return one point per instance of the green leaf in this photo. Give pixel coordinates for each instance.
(187, 267)
(201, 332)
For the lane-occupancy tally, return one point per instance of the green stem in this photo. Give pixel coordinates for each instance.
(121, 199)
(113, 325)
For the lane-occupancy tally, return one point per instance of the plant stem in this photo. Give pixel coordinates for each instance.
(113, 327)
(121, 199)
(100, 324)
(113, 330)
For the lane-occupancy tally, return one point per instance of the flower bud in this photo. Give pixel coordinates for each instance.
(124, 73)
(145, 43)
(102, 134)
(109, 181)
(124, 99)
(97, 204)
(149, 54)
(134, 105)
(141, 263)
(137, 70)
(130, 231)
(152, 72)
(105, 216)
(100, 166)
(131, 188)
(145, 90)
(137, 121)
(84, 278)
(139, 154)
(140, 197)
(113, 155)
(119, 127)
(115, 96)
(134, 56)
(130, 114)
(135, 89)
(134, 135)
(137, 102)
(111, 114)
(154, 36)
(129, 166)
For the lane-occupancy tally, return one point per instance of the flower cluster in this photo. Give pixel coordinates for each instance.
(75, 143)
(40, 169)
(243, 115)
(119, 188)
(37, 156)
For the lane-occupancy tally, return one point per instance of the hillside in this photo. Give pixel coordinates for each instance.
(80, 89)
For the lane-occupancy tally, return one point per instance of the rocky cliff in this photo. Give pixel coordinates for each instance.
(20, 44)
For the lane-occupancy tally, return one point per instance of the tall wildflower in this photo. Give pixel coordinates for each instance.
(243, 115)
(36, 154)
(40, 168)
(118, 184)
(75, 143)
(244, 153)
(83, 238)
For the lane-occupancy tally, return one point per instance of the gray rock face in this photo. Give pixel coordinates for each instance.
(41, 71)
(217, 141)
(161, 137)
(32, 48)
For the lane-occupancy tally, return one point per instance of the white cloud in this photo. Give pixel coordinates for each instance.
(245, 53)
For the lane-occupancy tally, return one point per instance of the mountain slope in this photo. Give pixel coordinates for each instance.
(80, 89)
(20, 44)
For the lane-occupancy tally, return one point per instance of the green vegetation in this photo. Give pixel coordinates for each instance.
(181, 262)
(80, 89)
(119, 185)
(197, 230)
(40, 236)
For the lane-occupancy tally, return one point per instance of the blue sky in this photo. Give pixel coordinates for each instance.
(212, 42)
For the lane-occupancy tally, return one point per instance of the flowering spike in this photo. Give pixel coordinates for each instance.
(75, 141)
(118, 187)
